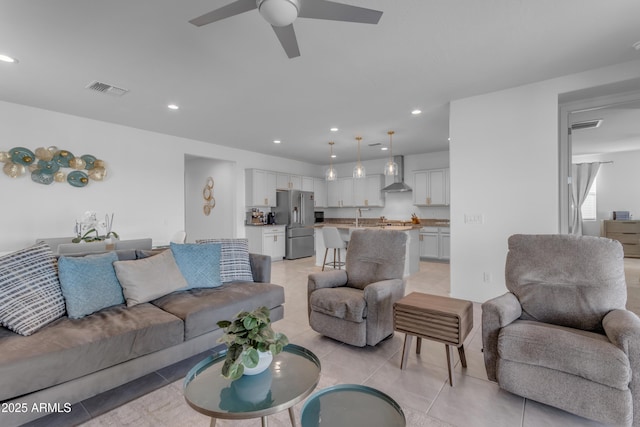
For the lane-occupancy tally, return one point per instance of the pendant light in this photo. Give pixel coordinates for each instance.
(331, 174)
(358, 169)
(391, 167)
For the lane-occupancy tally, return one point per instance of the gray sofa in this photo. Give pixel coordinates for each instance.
(70, 360)
(562, 335)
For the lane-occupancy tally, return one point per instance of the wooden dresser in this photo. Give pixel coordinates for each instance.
(627, 233)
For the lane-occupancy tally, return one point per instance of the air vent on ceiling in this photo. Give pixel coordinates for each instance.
(589, 124)
(106, 88)
(375, 144)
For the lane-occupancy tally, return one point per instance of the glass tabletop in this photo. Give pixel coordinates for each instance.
(351, 405)
(292, 376)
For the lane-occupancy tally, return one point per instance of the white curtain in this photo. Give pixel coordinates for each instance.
(583, 175)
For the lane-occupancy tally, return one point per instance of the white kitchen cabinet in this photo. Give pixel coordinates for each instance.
(368, 191)
(435, 243)
(267, 240)
(431, 187)
(320, 192)
(340, 193)
(285, 181)
(307, 183)
(260, 188)
(445, 244)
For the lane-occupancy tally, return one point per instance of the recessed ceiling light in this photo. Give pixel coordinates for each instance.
(6, 58)
(636, 45)
(334, 129)
(333, 156)
(173, 107)
(416, 112)
(276, 141)
(384, 148)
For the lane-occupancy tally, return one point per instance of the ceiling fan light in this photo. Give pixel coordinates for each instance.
(279, 13)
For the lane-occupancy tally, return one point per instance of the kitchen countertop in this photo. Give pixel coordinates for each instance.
(346, 223)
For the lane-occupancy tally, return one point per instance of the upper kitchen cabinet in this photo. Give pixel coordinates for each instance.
(284, 181)
(320, 192)
(260, 188)
(340, 193)
(431, 187)
(308, 183)
(368, 191)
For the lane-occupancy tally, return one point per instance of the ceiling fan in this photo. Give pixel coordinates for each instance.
(281, 14)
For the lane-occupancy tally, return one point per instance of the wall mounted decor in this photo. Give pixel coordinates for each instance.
(207, 195)
(47, 165)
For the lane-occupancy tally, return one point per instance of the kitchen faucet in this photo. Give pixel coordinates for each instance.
(359, 215)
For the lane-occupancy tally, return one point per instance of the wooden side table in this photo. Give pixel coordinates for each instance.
(443, 319)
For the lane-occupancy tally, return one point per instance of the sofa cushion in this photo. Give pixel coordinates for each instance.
(199, 264)
(89, 283)
(234, 259)
(585, 354)
(202, 308)
(70, 348)
(30, 295)
(343, 303)
(145, 279)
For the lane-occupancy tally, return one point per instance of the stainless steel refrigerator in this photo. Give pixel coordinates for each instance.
(295, 210)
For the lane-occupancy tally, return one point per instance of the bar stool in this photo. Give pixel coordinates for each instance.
(332, 240)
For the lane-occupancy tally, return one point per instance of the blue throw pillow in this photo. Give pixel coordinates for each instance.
(199, 264)
(89, 283)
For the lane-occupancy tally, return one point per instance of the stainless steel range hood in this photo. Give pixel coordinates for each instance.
(398, 184)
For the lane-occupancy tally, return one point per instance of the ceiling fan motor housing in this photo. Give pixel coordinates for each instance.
(279, 13)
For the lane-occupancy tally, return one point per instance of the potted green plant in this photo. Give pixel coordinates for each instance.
(250, 342)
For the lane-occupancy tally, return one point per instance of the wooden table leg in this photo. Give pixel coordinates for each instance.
(405, 350)
(292, 416)
(418, 345)
(449, 352)
(463, 358)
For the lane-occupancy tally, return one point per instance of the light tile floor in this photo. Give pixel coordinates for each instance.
(422, 389)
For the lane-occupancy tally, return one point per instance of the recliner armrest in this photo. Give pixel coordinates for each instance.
(380, 297)
(623, 330)
(325, 279)
(496, 314)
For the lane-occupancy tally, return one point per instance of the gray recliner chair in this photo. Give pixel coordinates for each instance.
(355, 305)
(562, 335)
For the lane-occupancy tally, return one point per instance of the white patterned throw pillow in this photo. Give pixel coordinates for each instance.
(30, 294)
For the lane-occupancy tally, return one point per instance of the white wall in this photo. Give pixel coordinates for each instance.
(616, 186)
(220, 222)
(398, 206)
(144, 188)
(504, 166)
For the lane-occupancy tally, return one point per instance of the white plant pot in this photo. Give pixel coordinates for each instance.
(265, 359)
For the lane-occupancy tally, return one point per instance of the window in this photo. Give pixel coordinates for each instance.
(589, 212)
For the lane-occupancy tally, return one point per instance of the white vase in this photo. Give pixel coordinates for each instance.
(265, 358)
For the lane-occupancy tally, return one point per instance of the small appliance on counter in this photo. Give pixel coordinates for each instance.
(319, 215)
(255, 217)
(271, 218)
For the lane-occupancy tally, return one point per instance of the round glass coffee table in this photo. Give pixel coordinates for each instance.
(351, 405)
(292, 376)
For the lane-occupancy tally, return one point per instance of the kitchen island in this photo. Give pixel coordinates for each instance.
(412, 254)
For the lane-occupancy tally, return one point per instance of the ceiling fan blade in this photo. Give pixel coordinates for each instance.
(287, 37)
(232, 9)
(323, 9)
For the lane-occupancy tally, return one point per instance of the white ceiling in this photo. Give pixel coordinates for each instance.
(236, 86)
